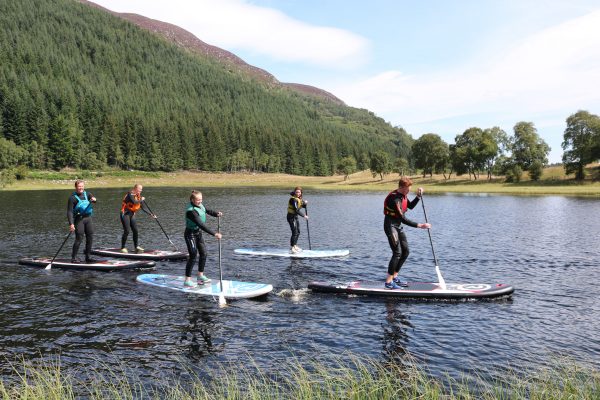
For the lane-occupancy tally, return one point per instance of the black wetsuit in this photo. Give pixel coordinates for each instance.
(394, 218)
(83, 225)
(295, 205)
(195, 242)
(128, 220)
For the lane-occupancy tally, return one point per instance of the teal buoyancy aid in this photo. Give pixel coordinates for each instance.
(83, 208)
(189, 223)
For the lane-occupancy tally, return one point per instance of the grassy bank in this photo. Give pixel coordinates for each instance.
(553, 182)
(354, 379)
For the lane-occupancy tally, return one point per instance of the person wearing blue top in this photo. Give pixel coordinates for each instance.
(195, 223)
(79, 215)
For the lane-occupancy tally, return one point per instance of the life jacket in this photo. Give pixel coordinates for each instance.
(294, 201)
(389, 204)
(82, 208)
(129, 206)
(189, 223)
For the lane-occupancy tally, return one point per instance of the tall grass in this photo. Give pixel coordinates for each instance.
(347, 378)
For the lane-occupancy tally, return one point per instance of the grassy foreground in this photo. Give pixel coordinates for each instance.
(553, 181)
(345, 380)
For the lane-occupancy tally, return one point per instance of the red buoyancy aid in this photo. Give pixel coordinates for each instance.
(129, 206)
(389, 204)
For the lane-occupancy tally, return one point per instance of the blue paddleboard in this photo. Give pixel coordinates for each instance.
(274, 252)
(231, 289)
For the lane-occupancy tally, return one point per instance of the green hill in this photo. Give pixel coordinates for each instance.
(81, 88)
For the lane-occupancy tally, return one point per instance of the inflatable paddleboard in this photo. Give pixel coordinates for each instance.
(98, 265)
(231, 289)
(417, 290)
(145, 255)
(272, 252)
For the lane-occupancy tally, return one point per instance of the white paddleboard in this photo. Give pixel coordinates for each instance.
(273, 252)
(231, 289)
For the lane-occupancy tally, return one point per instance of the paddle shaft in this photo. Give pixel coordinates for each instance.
(60, 248)
(163, 229)
(307, 227)
(429, 231)
(220, 269)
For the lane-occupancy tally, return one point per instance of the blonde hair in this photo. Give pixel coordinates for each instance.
(195, 194)
(137, 185)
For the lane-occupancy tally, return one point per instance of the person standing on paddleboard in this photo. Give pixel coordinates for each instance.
(79, 215)
(132, 203)
(295, 205)
(394, 207)
(195, 223)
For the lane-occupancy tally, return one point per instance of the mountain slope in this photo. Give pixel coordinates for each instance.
(81, 88)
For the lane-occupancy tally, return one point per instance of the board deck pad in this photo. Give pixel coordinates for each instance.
(231, 289)
(144, 255)
(305, 253)
(98, 265)
(423, 290)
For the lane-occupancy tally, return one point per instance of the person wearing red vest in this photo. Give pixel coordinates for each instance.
(132, 203)
(395, 206)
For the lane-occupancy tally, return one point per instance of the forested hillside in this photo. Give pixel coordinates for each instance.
(81, 88)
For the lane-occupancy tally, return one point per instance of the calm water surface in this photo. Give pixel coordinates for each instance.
(547, 247)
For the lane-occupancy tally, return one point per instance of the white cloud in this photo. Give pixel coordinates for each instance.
(556, 69)
(237, 24)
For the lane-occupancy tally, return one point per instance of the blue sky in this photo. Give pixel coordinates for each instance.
(428, 66)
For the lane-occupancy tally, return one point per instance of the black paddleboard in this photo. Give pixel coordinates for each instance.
(97, 265)
(417, 290)
(144, 255)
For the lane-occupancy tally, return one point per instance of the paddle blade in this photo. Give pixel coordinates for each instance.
(49, 266)
(222, 301)
(441, 281)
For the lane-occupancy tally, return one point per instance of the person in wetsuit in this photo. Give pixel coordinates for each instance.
(132, 203)
(394, 207)
(79, 215)
(295, 205)
(195, 223)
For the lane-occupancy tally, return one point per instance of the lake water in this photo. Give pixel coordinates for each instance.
(546, 247)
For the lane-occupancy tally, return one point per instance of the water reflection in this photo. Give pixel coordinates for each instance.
(198, 334)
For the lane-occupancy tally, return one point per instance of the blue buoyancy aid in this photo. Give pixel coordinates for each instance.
(189, 223)
(83, 208)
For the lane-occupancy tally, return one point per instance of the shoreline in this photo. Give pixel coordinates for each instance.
(360, 181)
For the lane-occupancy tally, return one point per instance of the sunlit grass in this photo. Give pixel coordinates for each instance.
(347, 377)
(554, 181)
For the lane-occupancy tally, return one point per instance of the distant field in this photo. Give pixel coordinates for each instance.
(554, 181)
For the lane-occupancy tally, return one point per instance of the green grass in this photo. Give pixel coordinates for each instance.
(345, 378)
(553, 182)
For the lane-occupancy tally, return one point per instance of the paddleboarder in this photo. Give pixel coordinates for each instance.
(132, 203)
(195, 223)
(295, 205)
(394, 207)
(79, 215)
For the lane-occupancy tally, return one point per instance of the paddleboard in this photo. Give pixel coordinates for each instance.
(98, 265)
(417, 290)
(273, 252)
(231, 289)
(145, 255)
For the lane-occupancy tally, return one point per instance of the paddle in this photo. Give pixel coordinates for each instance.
(49, 266)
(222, 301)
(307, 228)
(163, 229)
(437, 268)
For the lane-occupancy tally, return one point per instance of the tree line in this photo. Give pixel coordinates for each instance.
(83, 89)
(492, 151)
